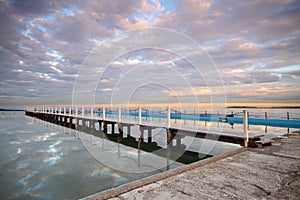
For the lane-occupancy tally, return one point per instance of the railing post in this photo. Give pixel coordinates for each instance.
(103, 113)
(65, 111)
(59, 110)
(76, 111)
(92, 112)
(246, 134)
(120, 114)
(266, 115)
(140, 115)
(82, 111)
(70, 111)
(168, 117)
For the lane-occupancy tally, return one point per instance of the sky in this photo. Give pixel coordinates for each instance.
(160, 52)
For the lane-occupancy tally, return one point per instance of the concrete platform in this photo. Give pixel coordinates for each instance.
(269, 173)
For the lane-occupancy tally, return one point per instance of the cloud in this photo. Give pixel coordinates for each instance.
(29, 7)
(44, 42)
(265, 92)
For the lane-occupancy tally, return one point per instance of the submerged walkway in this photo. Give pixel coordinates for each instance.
(269, 173)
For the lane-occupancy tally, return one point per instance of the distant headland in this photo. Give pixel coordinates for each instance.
(266, 107)
(16, 110)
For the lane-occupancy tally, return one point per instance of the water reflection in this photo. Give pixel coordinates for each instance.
(39, 160)
(140, 149)
(43, 160)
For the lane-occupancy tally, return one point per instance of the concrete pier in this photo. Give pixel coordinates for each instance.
(84, 123)
(269, 173)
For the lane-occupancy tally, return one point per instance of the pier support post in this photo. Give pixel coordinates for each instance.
(141, 133)
(246, 134)
(100, 125)
(104, 126)
(120, 128)
(128, 131)
(103, 113)
(77, 123)
(120, 114)
(113, 128)
(171, 133)
(140, 115)
(149, 135)
(168, 117)
(139, 151)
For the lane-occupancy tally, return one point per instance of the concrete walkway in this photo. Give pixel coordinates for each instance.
(269, 173)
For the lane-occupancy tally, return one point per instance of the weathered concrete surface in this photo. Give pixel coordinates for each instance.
(270, 173)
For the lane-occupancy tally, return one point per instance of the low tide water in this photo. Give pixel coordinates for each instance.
(40, 160)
